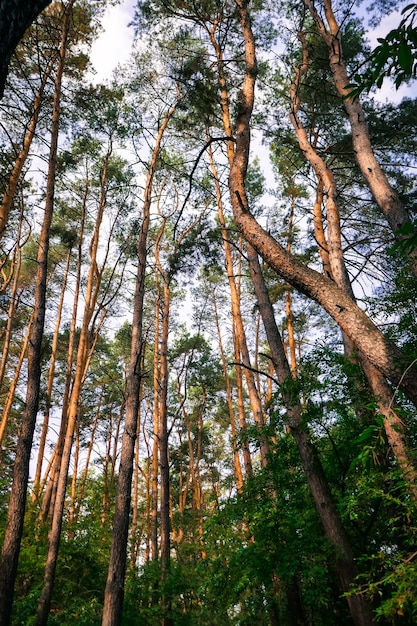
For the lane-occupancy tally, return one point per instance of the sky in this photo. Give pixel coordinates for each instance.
(113, 46)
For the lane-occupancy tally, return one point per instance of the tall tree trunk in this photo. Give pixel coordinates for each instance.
(48, 500)
(310, 461)
(15, 266)
(17, 502)
(113, 597)
(385, 196)
(83, 358)
(242, 353)
(354, 322)
(155, 442)
(14, 178)
(51, 373)
(394, 426)
(236, 460)
(251, 230)
(13, 386)
(163, 455)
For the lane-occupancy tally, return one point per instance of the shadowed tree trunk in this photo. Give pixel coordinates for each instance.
(15, 17)
(113, 597)
(17, 503)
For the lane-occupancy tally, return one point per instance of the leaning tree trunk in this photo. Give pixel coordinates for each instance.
(296, 274)
(353, 321)
(385, 196)
(393, 424)
(14, 178)
(310, 461)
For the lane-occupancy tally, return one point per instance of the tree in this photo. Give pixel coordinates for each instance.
(15, 18)
(13, 535)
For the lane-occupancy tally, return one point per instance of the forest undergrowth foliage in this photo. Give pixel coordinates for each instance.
(208, 378)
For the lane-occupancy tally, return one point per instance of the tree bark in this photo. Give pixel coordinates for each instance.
(51, 373)
(113, 597)
(17, 503)
(14, 178)
(310, 460)
(394, 427)
(252, 231)
(385, 196)
(83, 357)
(236, 460)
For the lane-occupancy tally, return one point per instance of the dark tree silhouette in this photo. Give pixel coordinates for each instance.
(15, 17)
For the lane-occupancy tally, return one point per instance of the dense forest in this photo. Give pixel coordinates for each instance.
(208, 324)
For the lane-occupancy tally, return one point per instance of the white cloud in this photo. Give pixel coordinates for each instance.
(114, 44)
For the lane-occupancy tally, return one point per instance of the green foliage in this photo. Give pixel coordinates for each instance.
(396, 56)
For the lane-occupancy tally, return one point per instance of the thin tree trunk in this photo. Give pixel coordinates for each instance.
(48, 500)
(135, 499)
(165, 533)
(83, 357)
(84, 474)
(14, 299)
(51, 373)
(73, 496)
(113, 597)
(310, 461)
(288, 308)
(242, 354)
(17, 502)
(155, 449)
(12, 389)
(14, 178)
(236, 460)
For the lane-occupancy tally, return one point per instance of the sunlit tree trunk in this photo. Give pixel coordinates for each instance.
(74, 481)
(15, 266)
(240, 335)
(51, 373)
(394, 426)
(84, 475)
(155, 440)
(14, 178)
(385, 196)
(288, 302)
(135, 498)
(82, 362)
(13, 386)
(48, 499)
(236, 459)
(354, 322)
